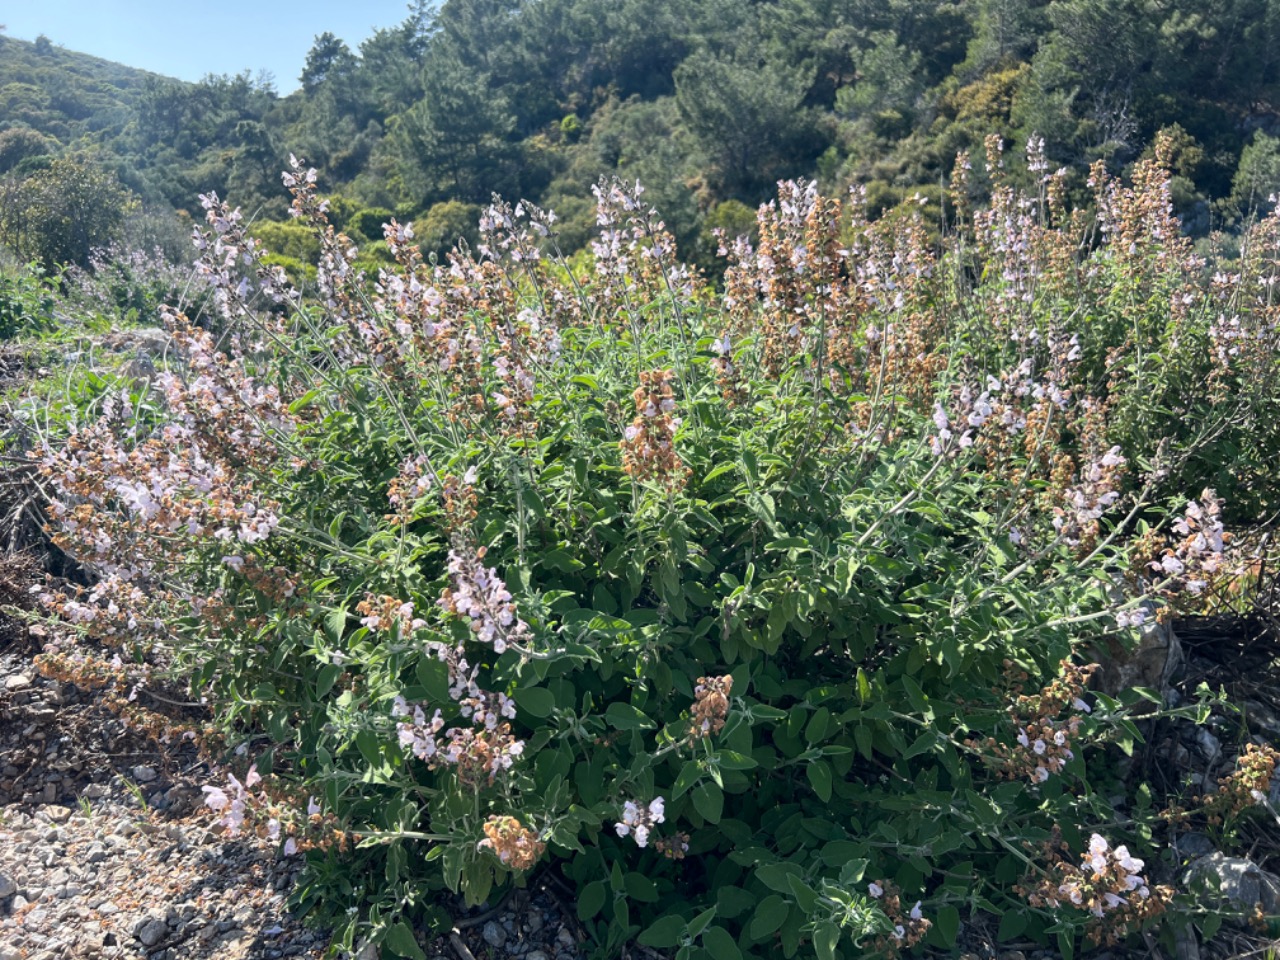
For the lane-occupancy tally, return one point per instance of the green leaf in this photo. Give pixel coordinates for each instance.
(778, 619)
(1012, 923)
(862, 737)
(535, 701)
(717, 471)
(825, 937)
(699, 923)
(818, 725)
(329, 675)
(776, 876)
(732, 760)
(663, 932)
(770, 916)
(335, 623)
(923, 744)
(561, 560)
(734, 902)
(400, 938)
(806, 896)
(591, 900)
(721, 944)
(434, 677)
(947, 923)
(786, 543)
(919, 702)
(641, 888)
(623, 716)
(690, 773)
(335, 533)
(302, 403)
(819, 774)
(370, 747)
(708, 800)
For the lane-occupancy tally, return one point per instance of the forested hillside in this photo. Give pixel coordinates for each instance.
(708, 103)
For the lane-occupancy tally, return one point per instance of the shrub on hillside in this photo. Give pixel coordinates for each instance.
(26, 302)
(445, 225)
(756, 616)
(368, 223)
(61, 213)
(127, 284)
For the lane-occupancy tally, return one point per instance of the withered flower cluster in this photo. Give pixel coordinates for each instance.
(648, 443)
(1106, 884)
(512, 842)
(710, 706)
(1043, 741)
(909, 926)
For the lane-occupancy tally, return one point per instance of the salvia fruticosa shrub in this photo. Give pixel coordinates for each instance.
(763, 617)
(128, 284)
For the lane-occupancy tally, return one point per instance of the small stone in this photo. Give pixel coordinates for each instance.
(535, 955)
(1209, 745)
(494, 935)
(1012, 955)
(144, 774)
(535, 922)
(150, 930)
(19, 902)
(565, 938)
(108, 909)
(50, 793)
(16, 681)
(1240, 881)
(7, 887)
(57, 814)
(1194, 845)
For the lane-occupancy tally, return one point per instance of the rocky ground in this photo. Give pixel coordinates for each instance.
(105, 846)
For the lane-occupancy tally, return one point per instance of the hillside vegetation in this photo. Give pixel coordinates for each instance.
(709, 103)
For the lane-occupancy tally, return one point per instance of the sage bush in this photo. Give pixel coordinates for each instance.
(760, 616)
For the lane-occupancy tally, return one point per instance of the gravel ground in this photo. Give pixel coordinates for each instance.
(105, 847)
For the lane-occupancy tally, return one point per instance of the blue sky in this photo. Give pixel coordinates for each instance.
(187, 39)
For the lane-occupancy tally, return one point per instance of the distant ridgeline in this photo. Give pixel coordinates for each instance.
(706, 102)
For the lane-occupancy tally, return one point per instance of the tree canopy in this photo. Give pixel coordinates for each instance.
(717, 98)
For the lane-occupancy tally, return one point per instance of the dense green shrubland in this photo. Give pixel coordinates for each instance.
(26, 303)
(757, 616)
(709, 102)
